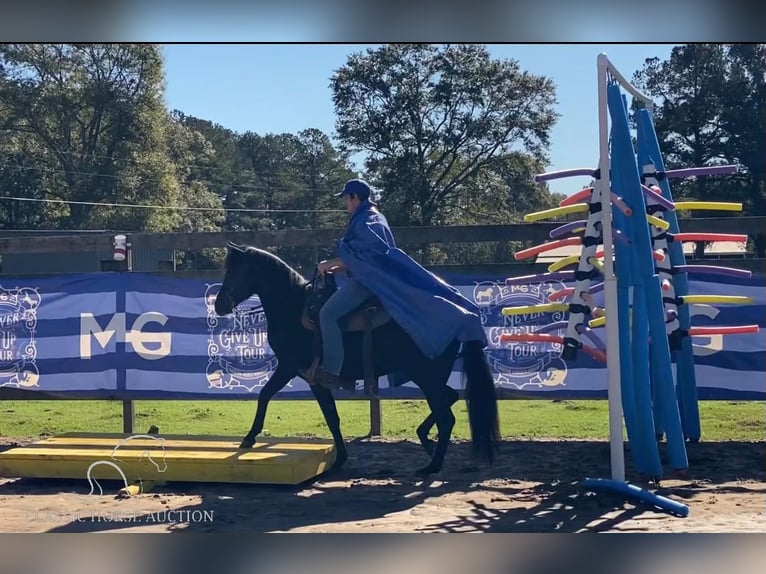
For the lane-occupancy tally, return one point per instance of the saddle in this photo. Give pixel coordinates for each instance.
(365, 318)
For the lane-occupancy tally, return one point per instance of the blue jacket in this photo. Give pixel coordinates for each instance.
(432, 312)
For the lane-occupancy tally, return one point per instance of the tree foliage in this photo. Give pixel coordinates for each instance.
(452, 137)
(712, 111)
(90, 118)
(435, 120)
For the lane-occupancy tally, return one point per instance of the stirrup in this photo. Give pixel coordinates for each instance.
(331, 381)
(310, 374)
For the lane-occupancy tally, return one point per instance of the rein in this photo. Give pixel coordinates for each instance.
(255, 310)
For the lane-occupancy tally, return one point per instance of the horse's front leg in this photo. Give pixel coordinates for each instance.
(276, 383)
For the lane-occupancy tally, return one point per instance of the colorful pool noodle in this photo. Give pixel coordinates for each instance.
(655, 500)
(716, 299)
(698, 331)
(672, 174)
(579, 225)
(582, 195)
(697, 171)
(636, 407)
(658, 223)
(556, 211)
(582, 329)
(647, 301)
(596, 263)
(707, 205)
(563, 262)
(713, 270)
(657, 196)
(711, 237)
(548, 338)
(567, 291)
(570, 259)
(572, 226)
(707, 331)
(724, 330)
(620, 204)
(540, 278)
(543, 247)
(651, 165)
(541, 308)
(583, 171)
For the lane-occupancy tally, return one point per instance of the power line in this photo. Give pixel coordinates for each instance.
(234, 186)
(170, 207)
(117, 158)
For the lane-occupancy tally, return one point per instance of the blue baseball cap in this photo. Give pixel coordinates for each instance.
(357, 186)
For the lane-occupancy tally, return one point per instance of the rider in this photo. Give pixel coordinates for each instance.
(432, 312)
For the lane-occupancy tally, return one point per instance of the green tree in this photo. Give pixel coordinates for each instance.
(712, 111)
(196, 162)
(501, 194)
(298, 172)
(94, 117)
(434, 118)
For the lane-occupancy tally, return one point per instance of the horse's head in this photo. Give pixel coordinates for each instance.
(240, 280)
(251, 271)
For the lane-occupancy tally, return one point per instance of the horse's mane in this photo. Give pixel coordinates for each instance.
(268, 262)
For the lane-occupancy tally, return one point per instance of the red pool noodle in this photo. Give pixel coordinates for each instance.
(709, 237)
(560, 294)
(658, 255)
(735, 330)
(548, 338)
(582, 195)
(537, 249)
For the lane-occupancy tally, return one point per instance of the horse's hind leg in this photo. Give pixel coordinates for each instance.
(445, 422)
(329, 410)
(432, 379)
(428, 423)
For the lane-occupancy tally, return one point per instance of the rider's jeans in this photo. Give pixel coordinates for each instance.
(345, 300)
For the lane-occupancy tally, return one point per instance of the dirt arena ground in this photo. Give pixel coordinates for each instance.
(532, 488)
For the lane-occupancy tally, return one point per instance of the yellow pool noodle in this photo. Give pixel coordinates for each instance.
(596, 263)
(708, 205)
(731, 299)
(566, 210)
(657, 222)
(542, 308)
(563, 262)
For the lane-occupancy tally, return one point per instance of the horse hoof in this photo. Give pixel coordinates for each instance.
(428, 445)
(427, 470)
(247, 443)
(340, 460)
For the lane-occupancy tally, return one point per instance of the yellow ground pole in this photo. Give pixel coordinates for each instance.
(181, 458)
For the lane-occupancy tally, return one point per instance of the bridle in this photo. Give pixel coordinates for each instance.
(259, 309)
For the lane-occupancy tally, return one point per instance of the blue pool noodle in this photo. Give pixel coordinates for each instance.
(647, 282)
(686, 383)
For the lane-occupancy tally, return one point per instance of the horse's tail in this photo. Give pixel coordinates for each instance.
(481, 400)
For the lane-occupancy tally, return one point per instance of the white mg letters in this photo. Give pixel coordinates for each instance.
(160, 342)
(714, 343)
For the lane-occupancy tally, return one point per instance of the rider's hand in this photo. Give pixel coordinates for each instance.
(323, 267)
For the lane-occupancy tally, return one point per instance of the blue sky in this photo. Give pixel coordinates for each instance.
(276, 88)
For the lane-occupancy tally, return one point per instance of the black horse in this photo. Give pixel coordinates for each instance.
(283, 293)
